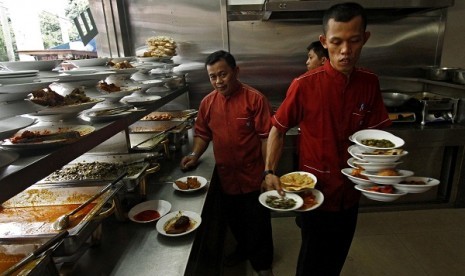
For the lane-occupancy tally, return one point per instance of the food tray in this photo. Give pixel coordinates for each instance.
(157, 126)
(176, 115)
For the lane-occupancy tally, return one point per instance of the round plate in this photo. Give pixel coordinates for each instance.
(26, 87)
(388, 180)
(72, 108)
(356, 180)
(355, 151)
(89, 62)
(262, 199)
(10, 126)
(296, 190)
(200, 179)
(92, 76)
(408, 187)
(385, 197)
(161, 206)
(124, 71)
(17, 74)
(93, 114)
(7, 157)
(194, 217)
(82, 129)
(378, 135)
(41, 65)
(319, 198)
(350, 162)
(375, 167)
(79, 71)
(140, 100)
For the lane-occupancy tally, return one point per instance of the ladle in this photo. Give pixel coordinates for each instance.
(63, 221)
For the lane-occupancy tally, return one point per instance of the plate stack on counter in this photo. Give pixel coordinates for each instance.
(373, 167)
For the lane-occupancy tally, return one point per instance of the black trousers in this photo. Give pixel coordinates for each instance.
(250, 224)
(326, 240)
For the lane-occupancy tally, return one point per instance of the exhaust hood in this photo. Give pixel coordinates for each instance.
(312, 10)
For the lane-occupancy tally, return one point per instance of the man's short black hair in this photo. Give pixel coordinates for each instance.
(344, 12)
(218, 55)
(319, 50)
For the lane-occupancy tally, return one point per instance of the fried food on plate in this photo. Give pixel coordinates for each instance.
(297, 181)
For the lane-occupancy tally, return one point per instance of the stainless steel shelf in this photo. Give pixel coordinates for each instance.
(33, 166)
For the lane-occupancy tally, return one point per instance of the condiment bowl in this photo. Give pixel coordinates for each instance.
(161, 206)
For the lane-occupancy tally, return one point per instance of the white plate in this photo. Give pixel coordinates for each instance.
(416, 188)
(89, 62)
(355, 151)
(121, 59)
(161, 206)
(319, 197)
(92, 116)
(385, 197)
(124, 71)
(82, 129)
(356, 180)
(7, 157)
(378, 135)
(140, 100)
(151, 59)
(41, 65)
(262, 199)
(351, 160)
(375, 167)
(388, 180)
(92, 76)
(194, 217)
(202, 181)
(17, 74)
(79, 71)
(26, 87)
(72, 108)
(312, 176)
(9, 126)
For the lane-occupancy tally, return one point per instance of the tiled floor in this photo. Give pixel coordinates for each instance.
(410, 243)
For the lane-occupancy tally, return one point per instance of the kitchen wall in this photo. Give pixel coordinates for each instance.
(453, 53)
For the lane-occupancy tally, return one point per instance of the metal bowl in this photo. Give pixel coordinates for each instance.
(440, 73)
(458, 76)
(395, 99)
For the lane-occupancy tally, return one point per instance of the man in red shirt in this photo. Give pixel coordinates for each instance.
(329, 104)
(237, 119)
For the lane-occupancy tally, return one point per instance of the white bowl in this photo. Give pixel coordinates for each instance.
(388, 180)
(310, 175)
(355, 151)
(263, 197)
(416, 188)
(41, 65)
(385, 197)
(202, 180)
(356, 180)
(350, 162)
(319, 198)
(375, 166)
(161, 206)
(89, 62)
(78, 71)
(376, 135)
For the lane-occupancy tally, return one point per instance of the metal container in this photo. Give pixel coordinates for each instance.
(394, 99)
(440, 73)
(458, 76)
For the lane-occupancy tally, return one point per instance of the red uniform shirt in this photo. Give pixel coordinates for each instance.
(329, 107)
(236, 124)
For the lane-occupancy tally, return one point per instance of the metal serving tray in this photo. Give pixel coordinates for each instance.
(176, 115)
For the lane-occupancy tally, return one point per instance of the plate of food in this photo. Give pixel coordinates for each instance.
(372, 139)
(276, 202)
(388, 176)
(9, 126)
(354, 175)
(312, 199)
(377, 156)
(189, 183)
(416, 184)
(178, 223)
(140, 100)
(38, 137)
(104, 114)
(149, 211)
(385, 193)
(375, 166)
(297, 181)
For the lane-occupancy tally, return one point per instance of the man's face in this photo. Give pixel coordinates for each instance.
(222, 77)
(313, 61)
(344, 41)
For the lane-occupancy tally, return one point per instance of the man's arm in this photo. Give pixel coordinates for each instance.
(273, 154)
(192, 158)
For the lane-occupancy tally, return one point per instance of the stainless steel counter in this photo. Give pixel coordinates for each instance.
(128, 248)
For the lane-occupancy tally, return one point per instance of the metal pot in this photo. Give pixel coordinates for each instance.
(395, 99)
(440, 73)
(458, 76)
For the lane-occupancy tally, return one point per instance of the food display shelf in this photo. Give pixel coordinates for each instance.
(33, 166)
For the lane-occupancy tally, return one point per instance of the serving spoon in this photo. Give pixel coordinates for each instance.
(63, 221)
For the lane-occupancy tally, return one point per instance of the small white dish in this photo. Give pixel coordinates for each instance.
(384, 197)
(195, 221)
(351, 160)
(202, 180)
(388, 180)
(318, 196)
(89, 62)
(355, 151)
(374, 134)
(293, 188)
(374, 166)
(264, 196)
(160, 206)
(408, 186)
(356, 180)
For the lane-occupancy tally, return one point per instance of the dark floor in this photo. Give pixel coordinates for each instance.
(421, 242)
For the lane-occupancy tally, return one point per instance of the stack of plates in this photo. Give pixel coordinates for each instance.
(13, 77)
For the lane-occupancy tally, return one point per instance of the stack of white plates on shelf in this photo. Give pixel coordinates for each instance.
(15, 77)
(375, 156)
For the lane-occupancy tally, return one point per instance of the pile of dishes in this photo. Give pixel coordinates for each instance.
(373, 167)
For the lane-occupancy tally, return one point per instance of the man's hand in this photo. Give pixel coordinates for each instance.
(272, 182)
(188, 162)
